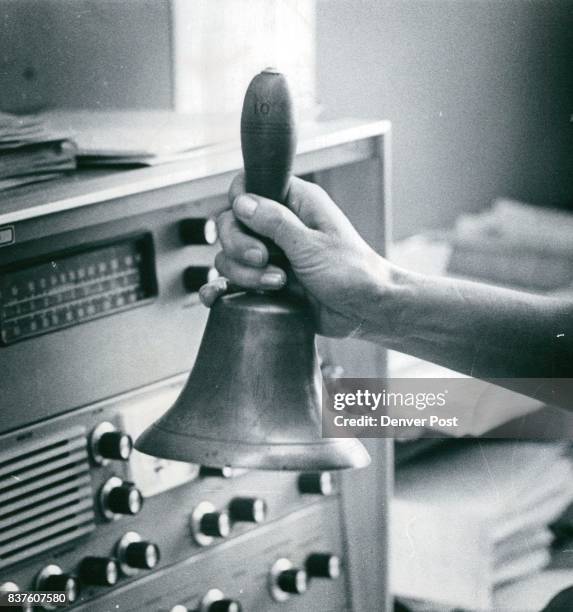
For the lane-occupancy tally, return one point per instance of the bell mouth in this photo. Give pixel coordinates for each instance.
(322, 454)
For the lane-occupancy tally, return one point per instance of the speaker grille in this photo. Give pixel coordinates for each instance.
(45, 495)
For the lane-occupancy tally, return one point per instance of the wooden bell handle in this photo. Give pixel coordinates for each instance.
(268, 141)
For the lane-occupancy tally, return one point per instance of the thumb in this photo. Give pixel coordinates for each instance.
(272, 220)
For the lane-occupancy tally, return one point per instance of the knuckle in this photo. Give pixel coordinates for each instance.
(277, 225)
(316, 190)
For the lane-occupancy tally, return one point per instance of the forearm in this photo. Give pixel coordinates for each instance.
(473, 328)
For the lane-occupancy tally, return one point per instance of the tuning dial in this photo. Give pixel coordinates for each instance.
(248, 509)
(207, 524)
(215, 601)
(323, 565)
(286, 580)
(316, 483)
(198, 231)
(120, 498)
(53, 579)
(101, 571)
(195, 277)
(136, 554)
(106, 443)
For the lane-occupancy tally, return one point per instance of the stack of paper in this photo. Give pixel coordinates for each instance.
(144, 138)
(469, 519)
(30, 152)
(515, 244)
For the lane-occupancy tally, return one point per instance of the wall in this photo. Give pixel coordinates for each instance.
(192, 55)
(219, 45)
(85, 53)
(480, 93)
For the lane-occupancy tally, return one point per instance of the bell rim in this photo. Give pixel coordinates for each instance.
(277, 304)
(323, 454)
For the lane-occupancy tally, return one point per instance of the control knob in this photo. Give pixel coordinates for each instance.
(198, 231)
(106, 443)
(102, 571)
(214, 472)
(195, 277)
(136, 554)
(286, 580)
(206, 471)
(316, 483)
(215, 601)
(323, 565)
(207, 524)
(53, 579)
(248, 509)
(120, 498)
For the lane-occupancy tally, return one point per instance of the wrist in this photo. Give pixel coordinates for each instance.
(382, 299)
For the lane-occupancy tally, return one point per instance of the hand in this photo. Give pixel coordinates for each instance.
(338, 272)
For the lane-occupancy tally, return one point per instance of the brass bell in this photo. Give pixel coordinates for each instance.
(253, 398)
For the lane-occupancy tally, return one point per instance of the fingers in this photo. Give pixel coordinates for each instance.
(307, 200)
(248, 277)
(239, 245)
(213, 290)
(275, 221)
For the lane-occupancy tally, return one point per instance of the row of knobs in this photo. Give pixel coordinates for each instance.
(284, 580)
(117, 497)
(207, 523)
(133, 554)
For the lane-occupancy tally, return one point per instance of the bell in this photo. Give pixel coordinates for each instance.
(253, 398)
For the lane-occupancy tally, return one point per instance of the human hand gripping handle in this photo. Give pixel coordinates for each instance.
(330, 262)
(341, 276)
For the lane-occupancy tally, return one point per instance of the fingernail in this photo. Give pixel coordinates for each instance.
(245, 206)
(272, 279)
(221, 283)
(254, 256)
